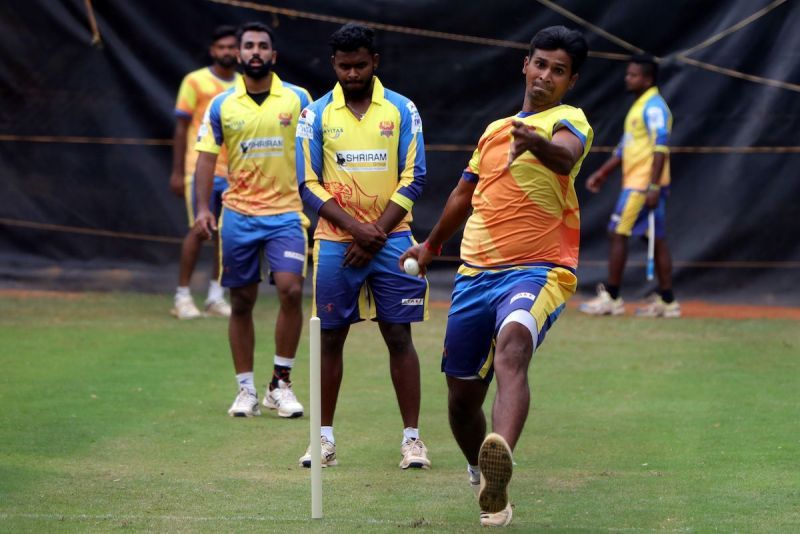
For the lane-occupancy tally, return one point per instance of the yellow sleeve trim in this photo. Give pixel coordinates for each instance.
(403, 202)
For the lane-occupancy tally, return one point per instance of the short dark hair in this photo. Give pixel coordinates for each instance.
(648, 65)
(351, 37)
(220, 32)
(255, 27)
(561, 37)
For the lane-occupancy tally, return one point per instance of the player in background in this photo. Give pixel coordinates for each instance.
(262, 217)
(361, 166)
(519, 253)
(644, 155)
(196, 91)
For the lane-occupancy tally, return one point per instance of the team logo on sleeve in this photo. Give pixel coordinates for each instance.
(285, 119)
(305, 128)
(387, 128)
(416, 120)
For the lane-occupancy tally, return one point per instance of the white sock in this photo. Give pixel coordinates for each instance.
(327, 433)
(410, 433)
(182, 291)
(283, 361)
(215, 291)
(245, 380)
(474, 473)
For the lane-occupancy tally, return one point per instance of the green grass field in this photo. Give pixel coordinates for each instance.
(113, 417)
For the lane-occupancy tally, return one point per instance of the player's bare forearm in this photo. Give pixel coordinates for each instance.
(558, 155)
(178, 156)
(455, 212)
(391, 217)
(599, 177)
(657, 168)
(368, 235)
(205, 222)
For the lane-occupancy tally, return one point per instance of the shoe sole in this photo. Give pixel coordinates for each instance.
(287, 415)
(245, 414)
(307, 463)
(416, 464)
(496, 465)
(174, 313)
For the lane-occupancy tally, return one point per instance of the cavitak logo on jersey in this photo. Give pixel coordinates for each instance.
(332, 132)
(285, 119)
(363, 160)
(387, 128)
(412, 302)
(262, 147)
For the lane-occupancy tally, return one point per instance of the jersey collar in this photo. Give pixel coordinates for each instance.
(651, 92)
(275, 88)
(377, 93)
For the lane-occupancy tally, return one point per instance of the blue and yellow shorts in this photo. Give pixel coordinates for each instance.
(246, 239)
(380, 290)
(214, 203)
(482, 299)
(630, 215)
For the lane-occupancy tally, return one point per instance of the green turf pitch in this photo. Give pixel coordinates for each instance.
(113, 417)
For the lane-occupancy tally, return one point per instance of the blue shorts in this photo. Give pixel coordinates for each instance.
(214, 203)
(630, 215)
(482, 299)
(246, 239)
(380, 290)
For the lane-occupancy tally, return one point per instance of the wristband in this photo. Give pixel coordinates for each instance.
(436, 251)
(653, 187)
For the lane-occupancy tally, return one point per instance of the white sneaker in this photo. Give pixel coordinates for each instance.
(184, 308)
(415, 454)
(656, 307)
(474, 482)
(245, 404)
(218, 308)
(328, 450)
(283, 399)
(499, 519)
(494, 459)
(603, 304)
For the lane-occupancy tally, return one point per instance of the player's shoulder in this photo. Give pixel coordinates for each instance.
(398, 100)
(198, 75)
(218, 100)
(301, 92)
(565, 111)
(656, 100)
(319, 105)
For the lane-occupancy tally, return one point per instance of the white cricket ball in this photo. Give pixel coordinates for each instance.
(410, 266)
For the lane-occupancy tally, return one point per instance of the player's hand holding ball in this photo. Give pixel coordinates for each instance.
(416, 259)
(410, 266)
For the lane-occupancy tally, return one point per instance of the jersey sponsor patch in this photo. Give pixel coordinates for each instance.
(523, 295)
(304, 131)
(307, 116)
(363, 160)
(412, 302)
(655, 118)
(260, 147)
(293, 255)
(416, 120)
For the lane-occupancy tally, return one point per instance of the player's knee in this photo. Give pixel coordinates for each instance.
(291, 294)
(242, 303)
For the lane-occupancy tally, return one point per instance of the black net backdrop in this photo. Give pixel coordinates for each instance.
(85, 129)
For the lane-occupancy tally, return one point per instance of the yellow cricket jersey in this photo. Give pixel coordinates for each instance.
(363, 164)
(196, 91)
(260, 142)
(648, 126)
(525, 214)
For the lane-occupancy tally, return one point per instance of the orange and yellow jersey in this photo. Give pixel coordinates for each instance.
(648, 126)
(363, 164)
(196, 91)
(260, 144)
(525, 214)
